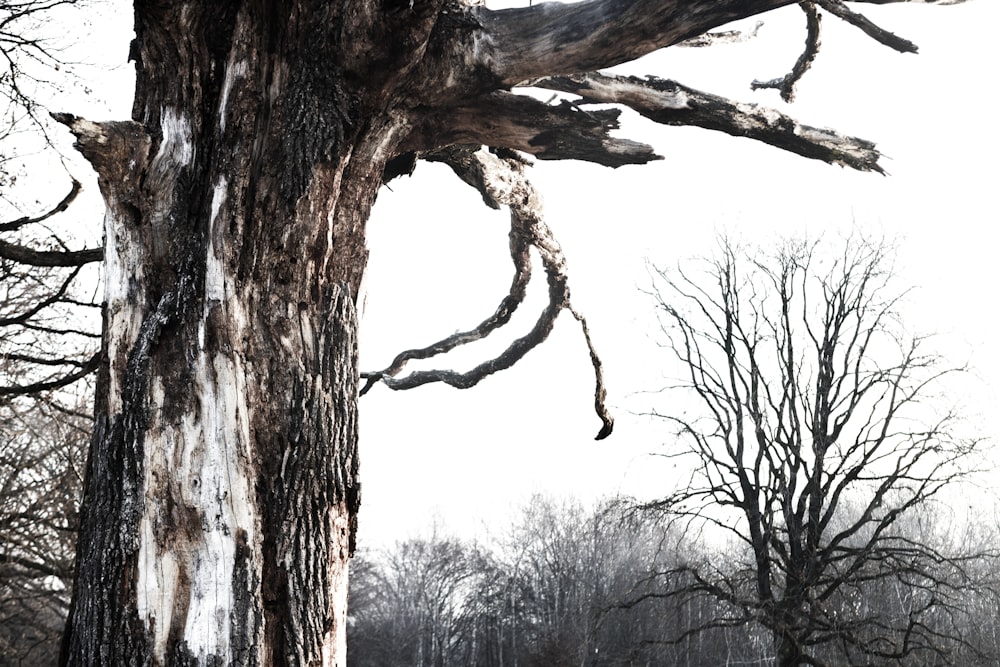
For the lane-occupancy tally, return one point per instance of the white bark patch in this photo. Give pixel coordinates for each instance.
(122, 266)
(500, 182)
(753, 117)
(157, 575)
(637, 96)
(335, 641)
(214, 273)
(176, 147)
(234, 71)
(187, 558)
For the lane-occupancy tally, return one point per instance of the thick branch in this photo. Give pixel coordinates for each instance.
(522, 123)
(671, 103)
(551, 39)
(117, 149)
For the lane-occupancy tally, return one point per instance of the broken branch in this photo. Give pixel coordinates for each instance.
(670, 103)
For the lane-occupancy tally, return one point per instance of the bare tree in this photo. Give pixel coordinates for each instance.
(48, 328)
(414, 605)
(222, 489)
(42, 452)
(816, 432)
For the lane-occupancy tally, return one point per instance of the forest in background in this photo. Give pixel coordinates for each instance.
(568, 585)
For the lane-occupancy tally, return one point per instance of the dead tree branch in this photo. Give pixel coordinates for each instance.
(670, 103)
(880, 35)
(500, 179)
(786, 84)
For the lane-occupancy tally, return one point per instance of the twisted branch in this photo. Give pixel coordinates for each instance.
(786, 84)
(500, 179)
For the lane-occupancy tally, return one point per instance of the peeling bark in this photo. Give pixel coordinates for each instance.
(222, 486)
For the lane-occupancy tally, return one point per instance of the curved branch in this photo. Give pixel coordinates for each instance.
(83, 371)
(471, 169)
(56, 297)
(670, 103)
(500, 179)
(14, 225)
(786, 84)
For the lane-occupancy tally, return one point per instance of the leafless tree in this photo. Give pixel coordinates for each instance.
(415, 603)
(49, 344)
(48, 354)
(42, 455)
(815, 430)
(48, 329)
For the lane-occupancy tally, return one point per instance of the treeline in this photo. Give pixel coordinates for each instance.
(42, 448)
(567, 586)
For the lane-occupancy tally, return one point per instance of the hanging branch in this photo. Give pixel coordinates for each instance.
(500, 179)
(786, 84)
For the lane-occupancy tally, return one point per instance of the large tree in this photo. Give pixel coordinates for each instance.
(222, 485)
(819, 437)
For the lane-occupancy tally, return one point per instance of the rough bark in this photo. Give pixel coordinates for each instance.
(222, 487)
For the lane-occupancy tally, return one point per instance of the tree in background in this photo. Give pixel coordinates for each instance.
(416, 601)
(816, 435)
(48, 353)
(49, 341)
(42, 452)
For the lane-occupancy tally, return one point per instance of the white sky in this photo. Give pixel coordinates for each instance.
(439, 258)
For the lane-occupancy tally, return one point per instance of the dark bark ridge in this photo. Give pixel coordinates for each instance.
(222, 488)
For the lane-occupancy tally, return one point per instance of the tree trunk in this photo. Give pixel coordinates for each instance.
(222, 488)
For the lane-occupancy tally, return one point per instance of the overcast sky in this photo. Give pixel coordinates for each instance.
(439, 262)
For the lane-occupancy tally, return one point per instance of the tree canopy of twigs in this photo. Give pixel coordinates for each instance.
(816, 430)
